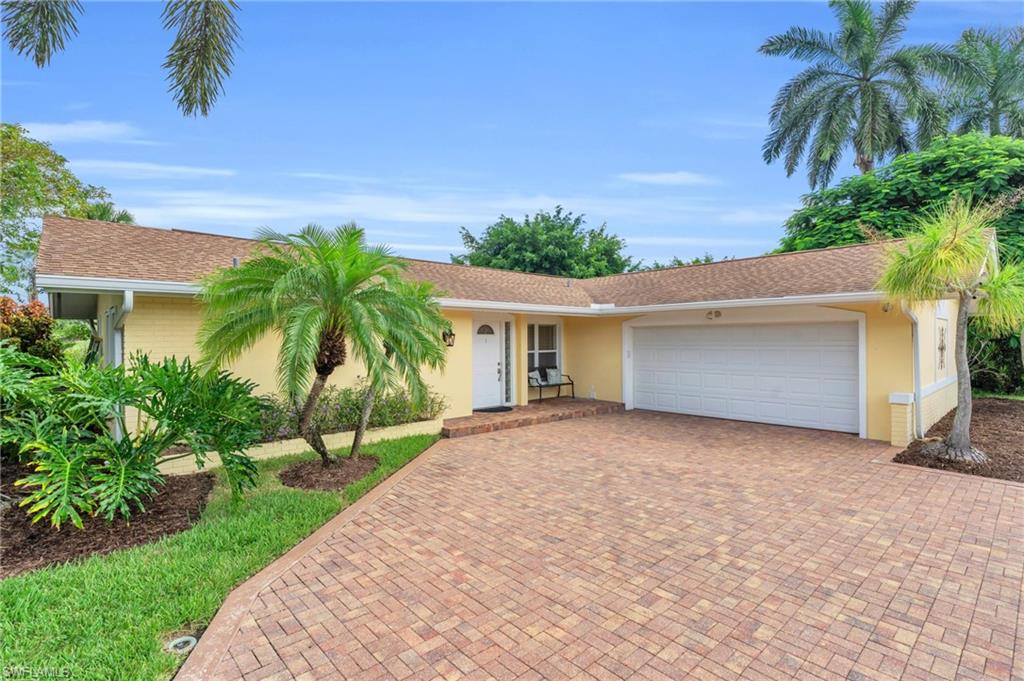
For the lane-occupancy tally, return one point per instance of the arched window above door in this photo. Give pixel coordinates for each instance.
(485, 330)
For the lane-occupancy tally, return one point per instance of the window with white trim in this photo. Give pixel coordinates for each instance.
(542, 346)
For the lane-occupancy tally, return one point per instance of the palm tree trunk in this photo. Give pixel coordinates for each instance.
(958, 443)
(364, 420)
(994, 123)
(307, 428)
(864, 163)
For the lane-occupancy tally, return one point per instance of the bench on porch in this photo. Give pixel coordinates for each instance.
(539, 379)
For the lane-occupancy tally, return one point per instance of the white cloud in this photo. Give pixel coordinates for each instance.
(693, 241)
(718, 128)
(334, 177)
(137, 170)
(758, 215)
(87, 131)
(674, 178)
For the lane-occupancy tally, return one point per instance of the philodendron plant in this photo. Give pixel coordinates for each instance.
(96, 436)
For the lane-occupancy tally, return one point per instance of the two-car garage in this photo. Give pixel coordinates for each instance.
(800, 374)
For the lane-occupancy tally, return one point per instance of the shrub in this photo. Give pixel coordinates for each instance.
(81, 467)
(30, 327)
(339, 409)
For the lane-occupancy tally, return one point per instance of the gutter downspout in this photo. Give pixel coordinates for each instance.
(915, 339)
(117, 345)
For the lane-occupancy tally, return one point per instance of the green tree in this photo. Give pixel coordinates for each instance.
(887, 200)
(951, 254)
(34, 181)
(197, 62)
(555, 243)
(862, 90)
(676, 261)
(992, 100)
(328, 295)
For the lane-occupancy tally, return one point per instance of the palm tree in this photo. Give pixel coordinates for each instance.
(953, 254)
(993, 99)
(328, 295)
(197, 62)
(105, 211)
(412, 342)
(862, 89)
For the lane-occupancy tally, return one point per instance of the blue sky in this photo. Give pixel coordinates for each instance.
(415, 119)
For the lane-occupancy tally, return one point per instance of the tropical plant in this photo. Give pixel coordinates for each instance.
(953, 254)
(862, 90)
(83, 465)
(198, 60)
(547, 243)
(411, 342)
(328, 295)
(992, 100)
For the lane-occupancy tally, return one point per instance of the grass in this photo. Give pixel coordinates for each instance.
(1002, 396)
(109, 616)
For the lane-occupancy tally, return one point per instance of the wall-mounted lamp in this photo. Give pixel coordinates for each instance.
(448, 336)
(886, 307)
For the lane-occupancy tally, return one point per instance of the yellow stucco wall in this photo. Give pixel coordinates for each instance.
(890, 362)
(167, 325)
(594, 359)
(938, 364)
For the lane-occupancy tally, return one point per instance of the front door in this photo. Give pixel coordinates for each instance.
(487, 390)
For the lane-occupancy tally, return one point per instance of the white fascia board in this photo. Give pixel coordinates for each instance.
(52, 282)
(608, 309)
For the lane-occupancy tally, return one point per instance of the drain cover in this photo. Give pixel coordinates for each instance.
(182, 644)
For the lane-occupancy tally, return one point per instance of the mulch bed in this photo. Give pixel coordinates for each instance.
(26, 546)
(314, 475)
(997, 428)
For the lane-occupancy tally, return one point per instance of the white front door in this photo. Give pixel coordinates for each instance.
(487, 387)
(790, 374)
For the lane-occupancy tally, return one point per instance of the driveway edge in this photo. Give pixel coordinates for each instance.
(215, 641)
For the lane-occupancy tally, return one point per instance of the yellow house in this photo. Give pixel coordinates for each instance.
(801, 339)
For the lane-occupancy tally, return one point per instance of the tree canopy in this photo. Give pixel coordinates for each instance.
(992, 99)
(555, 243)
(34, 181)
(889, 199)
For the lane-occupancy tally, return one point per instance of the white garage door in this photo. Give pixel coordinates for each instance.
(791, 374)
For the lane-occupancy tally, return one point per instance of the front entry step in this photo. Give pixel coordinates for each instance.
(556, 409)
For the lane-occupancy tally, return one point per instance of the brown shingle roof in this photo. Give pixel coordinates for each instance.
(89, 248)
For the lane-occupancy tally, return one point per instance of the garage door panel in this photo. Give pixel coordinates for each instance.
(800, 374)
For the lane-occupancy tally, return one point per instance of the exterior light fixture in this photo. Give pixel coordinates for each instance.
(448, 336)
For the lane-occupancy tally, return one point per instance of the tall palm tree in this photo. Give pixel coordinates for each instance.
(952, 254)
(329, 296)
(197, 62)
(862, 89)
(993, 99)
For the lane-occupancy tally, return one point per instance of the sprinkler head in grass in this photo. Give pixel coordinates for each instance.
(182, 645)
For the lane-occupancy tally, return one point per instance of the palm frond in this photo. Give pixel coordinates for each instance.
(1001, 305)
(41, 27)
(201, 56)
(802, 43)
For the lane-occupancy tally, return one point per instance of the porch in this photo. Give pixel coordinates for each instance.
(533, 413)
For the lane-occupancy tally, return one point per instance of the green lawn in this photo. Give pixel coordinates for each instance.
(108, 616)
(1002, 396)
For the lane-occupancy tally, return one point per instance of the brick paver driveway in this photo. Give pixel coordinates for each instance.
(650, 546)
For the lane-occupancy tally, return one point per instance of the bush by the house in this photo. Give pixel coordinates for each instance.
(69, 416)
(29, 327)
(339, 409)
